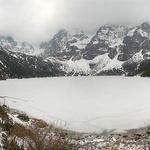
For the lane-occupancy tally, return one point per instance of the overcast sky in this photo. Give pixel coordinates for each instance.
(35, 21)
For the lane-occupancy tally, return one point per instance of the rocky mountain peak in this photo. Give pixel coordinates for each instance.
(26, 48)
(9, 39)
(7, 42)
(60, 35)
(113, 50)
(65, 45)
(145, 27)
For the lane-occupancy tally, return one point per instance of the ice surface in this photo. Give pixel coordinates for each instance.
(88, 104)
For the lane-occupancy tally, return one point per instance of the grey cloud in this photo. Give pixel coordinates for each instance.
(38, 20)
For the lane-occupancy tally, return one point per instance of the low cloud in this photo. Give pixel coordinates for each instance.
(35, 21)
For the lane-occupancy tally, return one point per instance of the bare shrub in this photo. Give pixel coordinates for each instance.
(23, 117)
(3, 113)
(39, 123)
(11, 144)
(35, 136)
(48, 139)
(21, 131)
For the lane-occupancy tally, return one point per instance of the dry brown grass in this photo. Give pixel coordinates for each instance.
(35, 136)
(39, 123)
(45, 138)
(3, 113)
(21, 131)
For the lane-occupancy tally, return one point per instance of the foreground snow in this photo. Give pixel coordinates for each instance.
(22, 128)
(88, 104)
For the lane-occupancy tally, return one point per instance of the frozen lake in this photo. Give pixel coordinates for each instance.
(88, 104)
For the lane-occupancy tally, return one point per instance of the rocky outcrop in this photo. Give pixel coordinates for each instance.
(65, 45)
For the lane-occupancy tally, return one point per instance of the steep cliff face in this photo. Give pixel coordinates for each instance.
(113, 50)
(65, 45)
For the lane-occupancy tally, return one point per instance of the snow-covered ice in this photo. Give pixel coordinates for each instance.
(88, 104)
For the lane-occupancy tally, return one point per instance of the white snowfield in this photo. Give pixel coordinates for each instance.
(86, 104)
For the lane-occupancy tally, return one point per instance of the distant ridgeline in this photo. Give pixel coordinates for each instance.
(113, 50)
(19, 65)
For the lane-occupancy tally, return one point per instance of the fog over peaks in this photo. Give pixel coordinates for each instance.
(35, 21)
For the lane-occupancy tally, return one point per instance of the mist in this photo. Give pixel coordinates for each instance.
(35, 21)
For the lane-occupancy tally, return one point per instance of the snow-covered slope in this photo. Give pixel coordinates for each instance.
(113, 50)
(19, 65)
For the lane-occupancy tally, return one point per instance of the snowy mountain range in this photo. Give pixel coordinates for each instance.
(7, 42)
(113, 50)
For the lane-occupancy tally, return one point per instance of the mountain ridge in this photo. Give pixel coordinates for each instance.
(108, 52)
(113, 50)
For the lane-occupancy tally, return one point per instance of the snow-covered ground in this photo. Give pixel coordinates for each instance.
(88, 104)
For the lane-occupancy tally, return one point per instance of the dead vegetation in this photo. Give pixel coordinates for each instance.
(39, 123)
(36, 134)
